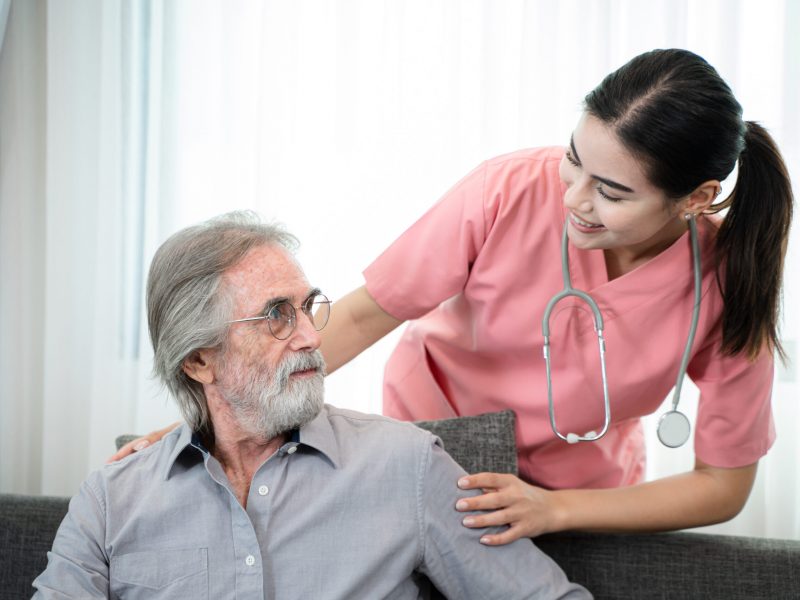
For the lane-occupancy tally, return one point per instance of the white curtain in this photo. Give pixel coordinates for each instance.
(5, 5)
(22, 101)
(343, 119)
(73, 352)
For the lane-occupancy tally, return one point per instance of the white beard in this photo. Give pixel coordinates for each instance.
(266, 404)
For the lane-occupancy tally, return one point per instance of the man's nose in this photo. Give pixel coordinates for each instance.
(305, 336)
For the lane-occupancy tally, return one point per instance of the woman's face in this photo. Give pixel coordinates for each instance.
(612, 206)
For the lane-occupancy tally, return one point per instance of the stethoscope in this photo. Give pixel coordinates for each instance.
(673, 427)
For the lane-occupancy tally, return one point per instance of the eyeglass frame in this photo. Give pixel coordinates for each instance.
(292, 321)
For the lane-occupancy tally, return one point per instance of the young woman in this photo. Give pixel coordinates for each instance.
(475, 274)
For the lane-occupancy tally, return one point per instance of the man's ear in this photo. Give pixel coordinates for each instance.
(199, 366)
(702, 197)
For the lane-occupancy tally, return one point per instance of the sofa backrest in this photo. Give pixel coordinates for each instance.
(612, 566)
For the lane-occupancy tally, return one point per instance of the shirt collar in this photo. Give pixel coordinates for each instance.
(318, 434)
(186, 439)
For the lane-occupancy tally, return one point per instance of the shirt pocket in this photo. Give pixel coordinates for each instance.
(180, 572)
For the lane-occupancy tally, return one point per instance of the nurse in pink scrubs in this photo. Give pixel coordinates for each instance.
(474, 274)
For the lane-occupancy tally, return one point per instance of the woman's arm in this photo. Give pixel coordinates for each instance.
(356, 322)
(704, 496)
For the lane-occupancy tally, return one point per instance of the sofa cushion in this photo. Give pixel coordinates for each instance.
(681, 564)
(479, 443)
(28, 525)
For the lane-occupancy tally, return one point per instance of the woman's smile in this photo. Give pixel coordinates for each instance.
(585, 226)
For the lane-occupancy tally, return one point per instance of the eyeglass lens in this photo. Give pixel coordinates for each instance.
(282, 318)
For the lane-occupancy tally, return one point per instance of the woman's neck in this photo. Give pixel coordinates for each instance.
(620, 261)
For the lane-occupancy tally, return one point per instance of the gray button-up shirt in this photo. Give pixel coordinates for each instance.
(354, 506)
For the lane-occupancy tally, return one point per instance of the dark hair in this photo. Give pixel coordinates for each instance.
(673, 111)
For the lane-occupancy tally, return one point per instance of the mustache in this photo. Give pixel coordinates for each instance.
(299, 361)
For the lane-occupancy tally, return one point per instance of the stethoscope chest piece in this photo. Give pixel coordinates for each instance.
(673, 429)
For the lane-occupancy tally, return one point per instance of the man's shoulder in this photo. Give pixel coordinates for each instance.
(358, 433)
(346, 420)
(389, 450)
(149, 463)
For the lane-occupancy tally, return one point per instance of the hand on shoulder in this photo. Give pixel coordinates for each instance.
(141, 443)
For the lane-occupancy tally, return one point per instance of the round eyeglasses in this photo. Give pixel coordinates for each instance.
(281, 317)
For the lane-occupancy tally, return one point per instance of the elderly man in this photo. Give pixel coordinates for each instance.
(266, 492)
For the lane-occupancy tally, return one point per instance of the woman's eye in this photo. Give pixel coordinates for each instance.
(606, 196)
(571, 159)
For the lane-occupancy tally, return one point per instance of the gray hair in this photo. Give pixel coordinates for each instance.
(188, 308)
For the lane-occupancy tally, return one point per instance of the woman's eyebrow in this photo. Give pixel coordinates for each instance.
(572, 147)
(613, 184)
(609, 182)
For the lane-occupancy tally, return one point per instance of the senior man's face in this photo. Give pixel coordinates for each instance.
(271, 385)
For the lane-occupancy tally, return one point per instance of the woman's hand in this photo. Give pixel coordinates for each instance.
(142, 442)
(527, 510)
(703, 496)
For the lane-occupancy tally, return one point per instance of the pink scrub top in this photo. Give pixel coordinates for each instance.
(475, 273)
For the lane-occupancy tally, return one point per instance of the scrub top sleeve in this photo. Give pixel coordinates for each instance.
(430, 262)
(734, 417)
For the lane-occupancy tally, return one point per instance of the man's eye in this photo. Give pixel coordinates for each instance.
(277, 312)
(308, 305)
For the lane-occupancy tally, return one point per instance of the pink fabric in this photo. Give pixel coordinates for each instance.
(476, 271)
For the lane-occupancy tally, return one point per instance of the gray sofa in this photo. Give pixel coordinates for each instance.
(664, 565)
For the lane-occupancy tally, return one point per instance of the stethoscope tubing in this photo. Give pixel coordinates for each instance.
(597, 316)
(676, 396)
(569, 291)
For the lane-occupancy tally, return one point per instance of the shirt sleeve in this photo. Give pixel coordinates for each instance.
(430, 262)
(459, 565)
(77, 566)
(734, 416)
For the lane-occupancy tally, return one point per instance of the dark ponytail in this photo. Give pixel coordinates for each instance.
(751, 246)
(673, 111)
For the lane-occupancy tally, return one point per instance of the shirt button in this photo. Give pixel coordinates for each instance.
(250, 560)
(291, 449)
(263, 490)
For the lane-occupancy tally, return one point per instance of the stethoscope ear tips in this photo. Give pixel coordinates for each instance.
(573, 438)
